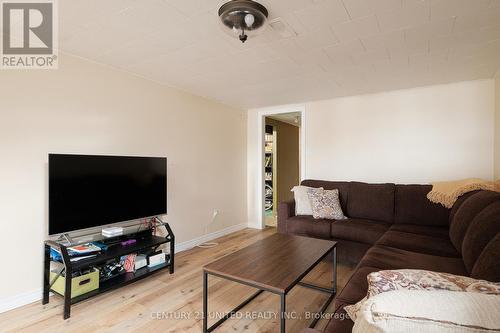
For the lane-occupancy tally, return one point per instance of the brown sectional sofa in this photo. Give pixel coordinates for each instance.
(395, 227)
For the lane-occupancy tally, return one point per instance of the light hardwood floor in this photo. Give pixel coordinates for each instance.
(172, 303)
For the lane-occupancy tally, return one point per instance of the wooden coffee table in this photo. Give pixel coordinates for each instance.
(275, 264)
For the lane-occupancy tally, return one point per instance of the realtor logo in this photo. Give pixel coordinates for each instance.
(29, 34)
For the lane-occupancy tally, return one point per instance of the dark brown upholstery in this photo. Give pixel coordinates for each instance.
(396, 227)
(481, 231)
(466, 213)
(308, 226)
(343, 188)
(487, 266)
(413, 207)
(356, 287)
(385, 257)
(459, 203)
(358, 230)
(349, 253)
(285, 211)
(371, 201)
(418, 243)
(439, 232)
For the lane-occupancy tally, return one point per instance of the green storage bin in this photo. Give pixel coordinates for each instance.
(79, 285)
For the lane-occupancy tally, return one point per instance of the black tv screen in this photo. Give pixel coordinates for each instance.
(88, 190)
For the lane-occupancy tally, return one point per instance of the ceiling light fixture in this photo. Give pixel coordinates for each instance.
(243, 17)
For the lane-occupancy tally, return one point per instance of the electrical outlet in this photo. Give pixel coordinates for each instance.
(215, 213)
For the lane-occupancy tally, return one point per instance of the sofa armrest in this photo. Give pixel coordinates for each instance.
(285, 211)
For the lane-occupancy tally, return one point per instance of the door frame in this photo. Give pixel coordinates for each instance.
(262, 114)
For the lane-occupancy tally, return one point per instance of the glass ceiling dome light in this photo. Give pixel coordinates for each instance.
(243, 16)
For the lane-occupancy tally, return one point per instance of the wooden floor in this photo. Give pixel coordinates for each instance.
(172, 303)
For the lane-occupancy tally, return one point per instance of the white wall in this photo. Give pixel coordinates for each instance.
(417, 135)
(410, 136)
(87, 108)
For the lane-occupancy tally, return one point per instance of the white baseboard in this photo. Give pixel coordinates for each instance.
(12, 302)
(208, 237)
(255, 225)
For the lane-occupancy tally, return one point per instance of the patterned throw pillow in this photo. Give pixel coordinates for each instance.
(413, 279)
(325, 204)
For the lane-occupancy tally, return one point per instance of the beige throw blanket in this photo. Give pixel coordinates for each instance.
(446, 193)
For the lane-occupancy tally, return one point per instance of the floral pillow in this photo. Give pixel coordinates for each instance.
(412, 279)
(325, 204)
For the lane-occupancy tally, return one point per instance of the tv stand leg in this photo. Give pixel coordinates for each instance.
(68, 270)
(46, 274)
(67, 296)
(172, 244)
(172, 254)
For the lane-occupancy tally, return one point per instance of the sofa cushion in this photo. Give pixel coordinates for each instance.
(418, 243)
(358, 230)
(459, 203)
(486, 266)
(305, 225)
(467, 212)
(481, 231)
(343, 188)
(349, 253)
(371, 201)
(439, 232)
(385, 257)
(413, 207)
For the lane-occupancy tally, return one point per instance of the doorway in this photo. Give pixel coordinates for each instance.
(281, 163)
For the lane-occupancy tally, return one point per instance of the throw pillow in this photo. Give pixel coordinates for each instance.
(302, 202)
(326, 204)
(429, 311)
(413, 279)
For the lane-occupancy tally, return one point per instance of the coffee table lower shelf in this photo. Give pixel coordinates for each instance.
(330, 291)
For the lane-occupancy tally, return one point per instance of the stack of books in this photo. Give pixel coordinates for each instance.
(77, 252)
(83, 249)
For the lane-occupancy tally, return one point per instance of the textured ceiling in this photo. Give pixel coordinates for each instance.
(337, 47)
(292, 118)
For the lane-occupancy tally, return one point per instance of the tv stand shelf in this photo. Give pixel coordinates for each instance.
(119, 281)
(144, 241)
(118, 251)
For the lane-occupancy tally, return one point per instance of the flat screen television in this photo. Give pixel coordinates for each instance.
(88, 190)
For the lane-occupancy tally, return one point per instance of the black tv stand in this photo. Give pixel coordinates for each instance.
(145, 240)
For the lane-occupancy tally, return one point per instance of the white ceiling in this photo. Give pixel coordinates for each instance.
(340, 47)
(292, 118)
